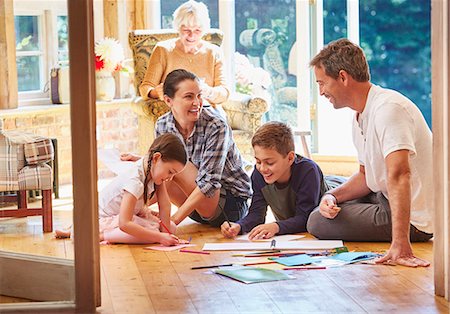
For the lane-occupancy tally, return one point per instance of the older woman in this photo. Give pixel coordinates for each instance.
(189, 52)
(213, 187)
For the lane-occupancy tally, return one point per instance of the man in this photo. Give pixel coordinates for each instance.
(391, 197)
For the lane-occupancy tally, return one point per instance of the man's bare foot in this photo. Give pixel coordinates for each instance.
(62, 234)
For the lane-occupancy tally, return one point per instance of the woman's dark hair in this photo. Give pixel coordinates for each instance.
(174, 78)
(171, 148)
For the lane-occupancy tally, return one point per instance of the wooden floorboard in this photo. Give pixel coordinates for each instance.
(135, 280)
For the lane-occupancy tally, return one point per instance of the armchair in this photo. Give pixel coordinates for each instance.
(244, 113)
(23, 167)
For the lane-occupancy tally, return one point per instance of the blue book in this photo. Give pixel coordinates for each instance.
(295, 260)
(353, 257)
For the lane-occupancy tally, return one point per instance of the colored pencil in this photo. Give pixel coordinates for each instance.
(304, 267)
(226, 217)
(195, 252)
(257, 254)
(258, 263)
(164, 226)
(211, 266)
(275, 254)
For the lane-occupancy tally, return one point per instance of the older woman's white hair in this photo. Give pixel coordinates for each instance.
(192, 13)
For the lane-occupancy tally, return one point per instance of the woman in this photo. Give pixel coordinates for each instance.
(189, 52)
(213, 186)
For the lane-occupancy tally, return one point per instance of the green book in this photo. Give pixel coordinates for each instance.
(253, 274)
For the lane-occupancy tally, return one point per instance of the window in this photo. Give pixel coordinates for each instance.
(41, 43)
(167, 8)
(63, 44)
(398, 47)
(28, 53)
(398, 50)
(267, 41)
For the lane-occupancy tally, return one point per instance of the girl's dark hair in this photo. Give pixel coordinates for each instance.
(174, 78)
(171, 148)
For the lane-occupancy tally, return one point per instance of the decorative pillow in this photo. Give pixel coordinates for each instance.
(39, 152)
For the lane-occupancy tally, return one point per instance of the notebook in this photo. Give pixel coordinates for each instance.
(285, 245)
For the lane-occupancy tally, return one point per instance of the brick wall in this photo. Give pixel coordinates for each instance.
(117, 127)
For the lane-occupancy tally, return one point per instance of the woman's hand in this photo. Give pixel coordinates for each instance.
(168, 239)
(265, 231)
(230, 232)
(206, 89)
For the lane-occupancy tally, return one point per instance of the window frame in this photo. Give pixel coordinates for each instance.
(47, 13)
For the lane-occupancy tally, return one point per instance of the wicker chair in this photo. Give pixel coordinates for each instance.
(23, 167)
(244, 113)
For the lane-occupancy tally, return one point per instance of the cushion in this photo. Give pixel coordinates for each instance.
(36, 177)
(39, 152)
(37, 149)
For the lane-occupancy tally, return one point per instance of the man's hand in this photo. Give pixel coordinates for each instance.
(402, 254)
(230, 232)
(129, 157)
(265, 231)
(328, 206)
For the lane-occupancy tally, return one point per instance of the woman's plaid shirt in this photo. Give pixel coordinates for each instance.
(212, 150)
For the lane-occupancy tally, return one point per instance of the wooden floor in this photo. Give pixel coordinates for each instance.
(135, 280)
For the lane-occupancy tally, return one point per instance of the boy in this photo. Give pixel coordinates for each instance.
(291, 184)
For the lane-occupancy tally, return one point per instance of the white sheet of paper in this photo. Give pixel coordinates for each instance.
(111, 159)
(284, 237)
(167, 248)
(285, 245)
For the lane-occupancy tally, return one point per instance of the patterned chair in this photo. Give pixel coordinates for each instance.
(23, 167)
(244, 113)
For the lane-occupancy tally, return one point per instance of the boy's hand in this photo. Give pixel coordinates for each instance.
(167, 239)
(129, 157)
(230, 232)
(265, 231)
(328, 207)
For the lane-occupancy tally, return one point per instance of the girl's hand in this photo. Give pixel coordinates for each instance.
(167, 239)
(129, 157)
(265, 231)
(230, 232)
(151, 213)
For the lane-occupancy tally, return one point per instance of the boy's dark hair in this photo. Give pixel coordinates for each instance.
(171, 148)
(274, 135)
(174, 78)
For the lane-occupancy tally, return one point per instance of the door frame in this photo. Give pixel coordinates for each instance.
(84, 169)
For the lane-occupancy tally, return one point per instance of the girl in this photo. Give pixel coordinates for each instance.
(214, 186)
(123, 216)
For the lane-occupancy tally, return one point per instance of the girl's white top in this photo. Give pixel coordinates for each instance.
(110, 198)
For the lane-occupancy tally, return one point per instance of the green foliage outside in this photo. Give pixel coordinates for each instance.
(396, 37)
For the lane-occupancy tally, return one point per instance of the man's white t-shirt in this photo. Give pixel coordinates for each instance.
(132, 181)
(391, 122)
